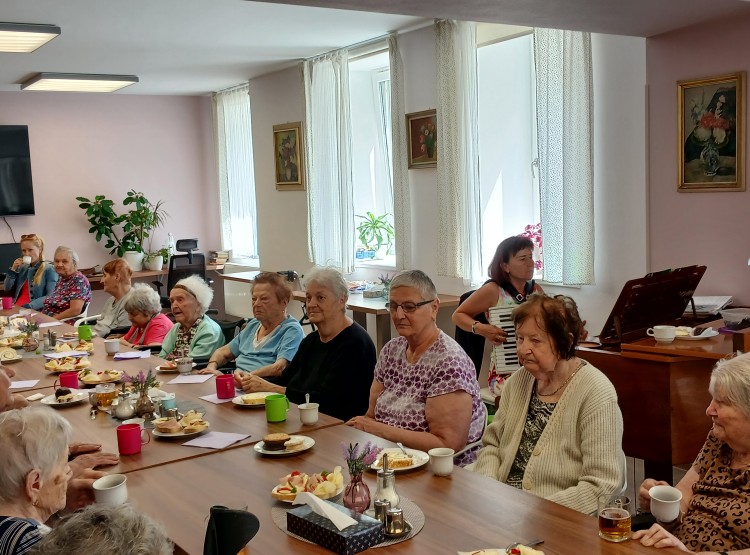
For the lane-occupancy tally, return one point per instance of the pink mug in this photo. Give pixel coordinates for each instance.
(130, 438)
(225, 386)
(67, 379)
(7, 303)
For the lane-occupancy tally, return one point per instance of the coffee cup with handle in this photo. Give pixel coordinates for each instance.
(308, 413)
(276, 407)
(441, 460)
(662, 334)
(111, 490)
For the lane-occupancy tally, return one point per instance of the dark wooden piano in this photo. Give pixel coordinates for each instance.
(662, 388)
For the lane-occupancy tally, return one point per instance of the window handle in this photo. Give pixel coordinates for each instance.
(534, 164)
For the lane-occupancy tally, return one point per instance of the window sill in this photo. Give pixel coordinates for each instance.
(387, 263)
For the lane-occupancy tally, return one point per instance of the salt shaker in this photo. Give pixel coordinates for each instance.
(387, 485)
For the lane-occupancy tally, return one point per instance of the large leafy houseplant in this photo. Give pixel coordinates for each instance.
(375, 231)
(126, 231)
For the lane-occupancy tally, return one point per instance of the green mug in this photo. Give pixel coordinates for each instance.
(276, 407)
(85, 333)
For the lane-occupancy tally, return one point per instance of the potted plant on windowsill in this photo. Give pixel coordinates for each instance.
(124, 234)
(376, 233)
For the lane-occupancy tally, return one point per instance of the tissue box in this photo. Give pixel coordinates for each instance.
(311, 526)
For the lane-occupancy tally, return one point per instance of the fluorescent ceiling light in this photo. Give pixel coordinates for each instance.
(25, 37)
(78, 82)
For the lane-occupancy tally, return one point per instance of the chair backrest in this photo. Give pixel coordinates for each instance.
(184, 265)
(472, 343)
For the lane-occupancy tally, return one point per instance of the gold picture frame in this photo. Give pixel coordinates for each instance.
(289, 167)
(421, 131)
(711, 134)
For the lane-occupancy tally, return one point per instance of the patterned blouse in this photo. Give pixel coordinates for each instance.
(183, 340)
(443, 368)
(536, 420)
(67, 289)
(718, 518)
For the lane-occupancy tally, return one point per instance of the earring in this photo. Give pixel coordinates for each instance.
(36, 503)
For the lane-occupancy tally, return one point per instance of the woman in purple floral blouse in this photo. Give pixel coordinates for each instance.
(425, 393)
(72, 292)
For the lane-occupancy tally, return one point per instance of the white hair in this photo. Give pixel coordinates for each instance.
(142, 298)
(197, 286)
(732, 380)
(73, 254)
(33, 438)
(329, 278)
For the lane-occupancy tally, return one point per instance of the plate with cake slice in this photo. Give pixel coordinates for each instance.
(65, 397)
(400, 462)
(280, 444)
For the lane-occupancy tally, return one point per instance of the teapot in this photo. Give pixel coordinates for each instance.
(124, 408)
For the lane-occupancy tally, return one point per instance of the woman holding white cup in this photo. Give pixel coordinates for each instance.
(715, 492)
(31, 278)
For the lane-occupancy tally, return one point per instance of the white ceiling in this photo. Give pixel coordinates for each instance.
(193, 47)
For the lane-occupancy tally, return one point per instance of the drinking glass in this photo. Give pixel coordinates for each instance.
(614, 517)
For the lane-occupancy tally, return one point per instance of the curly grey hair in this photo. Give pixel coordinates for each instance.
(329, 278)
(730, 379)
(142, 298)
(33, 438)
(99, 530)
(70, 252)
(418, 280)
(199, 289)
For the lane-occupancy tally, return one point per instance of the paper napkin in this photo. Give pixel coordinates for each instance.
(132, 354)
(65, 354)
(35, 397)
(318, 506)
(198, 378)
(23, 384)
(213, 398)
(216, 440)
(49, 324)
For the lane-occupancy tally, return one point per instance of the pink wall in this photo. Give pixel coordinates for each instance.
(695, 228)
(87, 144)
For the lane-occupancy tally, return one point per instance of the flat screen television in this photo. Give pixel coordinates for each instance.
(16, 191)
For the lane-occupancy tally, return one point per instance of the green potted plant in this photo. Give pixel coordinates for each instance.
(376, 232)
(126, 232)
(155, 260)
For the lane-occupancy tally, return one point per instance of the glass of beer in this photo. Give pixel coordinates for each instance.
(614, 517)
(105, 394)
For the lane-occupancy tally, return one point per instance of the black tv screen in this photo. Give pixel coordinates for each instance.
(16, 191)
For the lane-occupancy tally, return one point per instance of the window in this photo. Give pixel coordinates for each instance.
(370, 101)
(236, 175)
(507, 141)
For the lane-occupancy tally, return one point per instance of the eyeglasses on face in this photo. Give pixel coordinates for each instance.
(406, 307)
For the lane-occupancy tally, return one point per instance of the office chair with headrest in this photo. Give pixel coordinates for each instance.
(181, 266)
(293, 278)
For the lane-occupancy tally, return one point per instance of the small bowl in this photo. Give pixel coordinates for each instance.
(736, 318)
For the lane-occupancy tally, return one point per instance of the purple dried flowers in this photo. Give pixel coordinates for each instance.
(141, 382)
(357, 459)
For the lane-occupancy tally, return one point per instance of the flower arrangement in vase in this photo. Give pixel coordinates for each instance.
(713, 130)
(357, 494)
(141, 383)
(30, 342)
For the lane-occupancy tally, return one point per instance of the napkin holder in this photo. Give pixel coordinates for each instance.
(303, 522)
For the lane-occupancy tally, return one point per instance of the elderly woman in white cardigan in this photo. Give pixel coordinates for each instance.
(558, 430)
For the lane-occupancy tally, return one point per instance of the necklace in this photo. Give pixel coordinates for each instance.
(564, 383)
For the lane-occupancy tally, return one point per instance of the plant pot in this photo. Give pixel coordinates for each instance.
(154, 263)
(135, 259)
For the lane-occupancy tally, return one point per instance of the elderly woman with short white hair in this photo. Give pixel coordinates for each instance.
(34, 477)
(73, 290)
(195, 334)
(149, 325)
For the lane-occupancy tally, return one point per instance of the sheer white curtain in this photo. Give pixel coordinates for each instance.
(330, 195)
(460, 214)
(234, 154)
(565, 141)
(401, 193)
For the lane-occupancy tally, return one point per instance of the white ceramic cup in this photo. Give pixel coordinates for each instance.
(665, 503)
(26, 259)
(663, 334)
(140, 421)
(441, 461)
(112, 346)
(111, 490)
(184, 365)
(308, 413)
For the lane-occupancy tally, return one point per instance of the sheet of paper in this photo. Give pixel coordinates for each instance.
(50, 324)
(65, 354)
(23, 384)
(213, 398)
(132, 354)
(35, 397)
(200, 378)
(216, 440)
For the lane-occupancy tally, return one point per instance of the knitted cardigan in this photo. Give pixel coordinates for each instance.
(579, 454)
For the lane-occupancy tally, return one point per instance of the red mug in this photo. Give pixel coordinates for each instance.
(130, 438)
(225, 386)
(7, 303)
(67, 379)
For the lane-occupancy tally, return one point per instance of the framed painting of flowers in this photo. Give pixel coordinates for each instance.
(711, 135)
(288, 154)
(421, 130)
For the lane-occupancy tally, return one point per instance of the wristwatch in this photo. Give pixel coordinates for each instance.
(474, 326)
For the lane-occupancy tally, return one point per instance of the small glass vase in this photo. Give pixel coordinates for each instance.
(144, 406)
(357, 494)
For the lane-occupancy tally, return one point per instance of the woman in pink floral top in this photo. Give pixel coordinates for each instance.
(72, 292)
(425, 392)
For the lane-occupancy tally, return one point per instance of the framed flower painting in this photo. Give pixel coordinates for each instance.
(421, 130)
(711, 135)
(288, 153)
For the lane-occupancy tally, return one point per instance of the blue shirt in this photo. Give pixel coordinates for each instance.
(283, 342)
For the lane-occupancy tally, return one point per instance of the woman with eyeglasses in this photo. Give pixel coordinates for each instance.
(425, 392)
(334, 363)
(30, 278)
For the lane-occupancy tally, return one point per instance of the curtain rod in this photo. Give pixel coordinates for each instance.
(233, 88)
